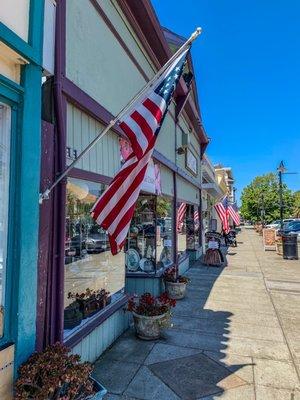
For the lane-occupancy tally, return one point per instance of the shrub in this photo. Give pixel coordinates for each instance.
(54, 374)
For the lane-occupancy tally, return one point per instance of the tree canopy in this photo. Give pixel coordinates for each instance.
(296, 206)
(263, 194)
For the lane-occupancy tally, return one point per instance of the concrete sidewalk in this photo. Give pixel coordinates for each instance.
(236, 336)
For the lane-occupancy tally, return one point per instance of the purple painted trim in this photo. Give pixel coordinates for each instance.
(89, 176)
(105, 18)
(86, 103)
(57, 281)
(95, 322)
(45, 231)
(163, 160)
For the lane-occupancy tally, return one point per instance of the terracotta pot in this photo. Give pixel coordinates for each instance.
(176, 290)
(149, 328)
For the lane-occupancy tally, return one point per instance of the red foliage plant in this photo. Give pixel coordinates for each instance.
(170, 275)
(89, 294)
(53, 374)
(149, 305)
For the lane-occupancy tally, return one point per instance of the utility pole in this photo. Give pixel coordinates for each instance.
(281, 169)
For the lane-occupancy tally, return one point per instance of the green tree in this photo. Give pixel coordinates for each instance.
(263, 193)
(296, 206)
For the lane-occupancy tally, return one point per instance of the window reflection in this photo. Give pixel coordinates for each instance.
(150, 245)
(5, 121)
(165, 232)
(181, 228)
(89, 263)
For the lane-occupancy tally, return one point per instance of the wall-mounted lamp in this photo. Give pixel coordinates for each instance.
(180, 150)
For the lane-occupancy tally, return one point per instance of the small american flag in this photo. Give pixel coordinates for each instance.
(141, 124)
(180, 216)
(234, 213)
(222, 210)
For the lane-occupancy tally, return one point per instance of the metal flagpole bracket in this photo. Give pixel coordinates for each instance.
(45, 195)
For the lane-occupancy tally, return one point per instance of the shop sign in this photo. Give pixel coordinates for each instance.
(152, 180)
(269, 239)
(191, 162)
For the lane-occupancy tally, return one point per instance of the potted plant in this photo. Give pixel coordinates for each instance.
(150, 314)
(54, 374)
(72, 315)
(175, 284)
(91, 301)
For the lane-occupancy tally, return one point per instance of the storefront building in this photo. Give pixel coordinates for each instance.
(21, 27)
(105, 52)
(211, 194)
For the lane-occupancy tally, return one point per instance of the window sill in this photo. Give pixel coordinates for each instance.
(81, 332)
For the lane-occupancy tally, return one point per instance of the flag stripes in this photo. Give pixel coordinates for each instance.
(234, 213)
(222, 211)
(114, 209)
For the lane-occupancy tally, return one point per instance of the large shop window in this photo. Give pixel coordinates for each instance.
(188, 228)
(91, 271)
(5, 124)
(150, 242)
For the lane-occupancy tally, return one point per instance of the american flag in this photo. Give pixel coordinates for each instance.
(234, 213)
(196, 217)
(114, 209)
(222, 210)
(180, 216)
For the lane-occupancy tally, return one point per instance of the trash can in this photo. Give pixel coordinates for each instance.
(290, 248)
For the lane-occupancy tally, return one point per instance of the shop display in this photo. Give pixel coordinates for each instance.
(213, 255)
(150, 235)
(132, 260)
(146, 265)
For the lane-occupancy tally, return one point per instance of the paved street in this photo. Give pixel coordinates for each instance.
(234, 336)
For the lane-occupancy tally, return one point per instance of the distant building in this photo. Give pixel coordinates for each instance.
(226, 174)
(212, 192)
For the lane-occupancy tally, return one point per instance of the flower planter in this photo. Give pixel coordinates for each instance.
(176, 290)
(149, 328)
(72, 316)
(89, 307)
(99, 389)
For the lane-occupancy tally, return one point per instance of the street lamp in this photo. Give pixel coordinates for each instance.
(281, 170)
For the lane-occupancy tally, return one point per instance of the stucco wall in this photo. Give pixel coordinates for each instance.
(96, 62)
(15, 15)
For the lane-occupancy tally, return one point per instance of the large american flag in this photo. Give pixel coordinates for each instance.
(141, 124)
(222, 211)
(234, 213)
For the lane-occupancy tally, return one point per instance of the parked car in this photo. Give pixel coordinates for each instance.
(96, 240)
(291, 228)
(276, 224)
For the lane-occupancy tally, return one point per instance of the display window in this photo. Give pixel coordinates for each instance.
(188, 228)
(181, 228)
(94, 278)
(5, 129)
(150, 245)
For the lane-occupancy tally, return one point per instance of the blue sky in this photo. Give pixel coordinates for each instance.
(247, 64)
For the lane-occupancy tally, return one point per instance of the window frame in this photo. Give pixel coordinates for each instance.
(77, 335)
(10, 95)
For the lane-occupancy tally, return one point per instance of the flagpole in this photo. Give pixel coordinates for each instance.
(46, 193)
